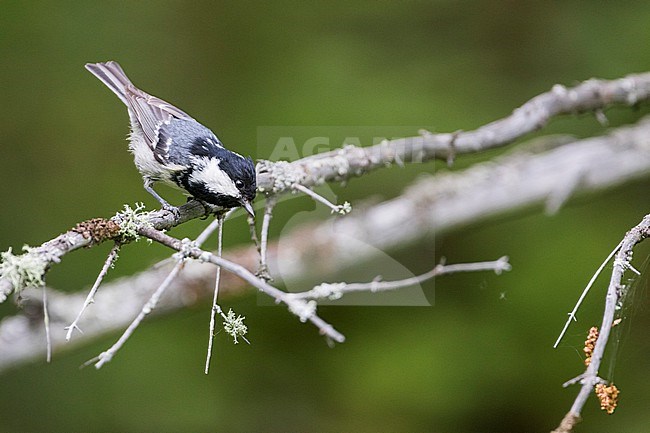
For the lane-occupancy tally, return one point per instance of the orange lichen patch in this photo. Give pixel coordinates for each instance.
(608, 396)
(590, 343)
(99, 229)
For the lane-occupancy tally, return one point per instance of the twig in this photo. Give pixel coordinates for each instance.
(572, 314)
(253, 232)
(614, 293)
(336, 290)
(214, 225)
(46, 322)
(106, 356)
(108, 263)
(215, 306)
(351, 161)
(342, 209)
(304, 310)
(440, 203)
(263, 270)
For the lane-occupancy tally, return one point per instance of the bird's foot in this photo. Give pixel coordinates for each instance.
(173, 209)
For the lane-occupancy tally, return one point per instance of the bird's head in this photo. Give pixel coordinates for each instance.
(223, 178)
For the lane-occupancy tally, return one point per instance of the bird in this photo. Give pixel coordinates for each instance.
(171, 147)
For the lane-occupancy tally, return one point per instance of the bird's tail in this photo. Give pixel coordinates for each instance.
(111, 74)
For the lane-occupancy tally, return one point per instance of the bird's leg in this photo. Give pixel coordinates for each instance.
(148, 185)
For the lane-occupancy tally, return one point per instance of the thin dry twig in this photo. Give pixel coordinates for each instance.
(108, 263)
(337, 290)
(107, 356)
(263, 270)
(215, 305)
(572, 314)
(46, 322)
(351, 161)
(341, 209)
(305, 311)
(615, 291)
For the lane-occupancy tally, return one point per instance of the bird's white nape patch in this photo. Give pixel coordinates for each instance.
(215, 179)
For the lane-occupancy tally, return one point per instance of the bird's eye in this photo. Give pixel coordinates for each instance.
(239, 183)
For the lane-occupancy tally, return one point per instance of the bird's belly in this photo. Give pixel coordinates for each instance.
(147, 164)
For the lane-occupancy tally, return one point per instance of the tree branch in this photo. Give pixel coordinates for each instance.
(337, 290)
(304, 310)
(439, 203)
(351, 161)
(342, 164)
(615, 292)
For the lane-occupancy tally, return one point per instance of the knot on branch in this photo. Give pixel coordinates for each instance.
(97, 229)
(303, 309)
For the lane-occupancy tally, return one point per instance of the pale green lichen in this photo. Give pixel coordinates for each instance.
(131, 220)
(343, 209)
(234, 326)
(25, 270)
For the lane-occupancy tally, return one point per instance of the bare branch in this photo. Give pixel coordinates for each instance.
(46, 322)
(436, 204)
(108, 263)
(304, 310)
(107, 356)
(453, 199)
(342, 209)
(217, 280)
(337, 290)
(615, 291)
(352, 161)
(263, 270)
(572, 314)
(98, 230)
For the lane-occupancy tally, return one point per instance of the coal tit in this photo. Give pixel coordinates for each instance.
(170, 146)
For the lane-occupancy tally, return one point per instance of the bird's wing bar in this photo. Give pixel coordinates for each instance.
(151, 112)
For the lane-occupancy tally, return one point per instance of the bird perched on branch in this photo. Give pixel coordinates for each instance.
(170, 146)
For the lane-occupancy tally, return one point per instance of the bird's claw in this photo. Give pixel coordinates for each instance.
(173, 209)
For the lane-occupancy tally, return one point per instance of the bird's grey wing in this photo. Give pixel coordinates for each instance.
(178, 140)
(151, 113)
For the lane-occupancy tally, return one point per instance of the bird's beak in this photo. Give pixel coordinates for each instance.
(248, 206)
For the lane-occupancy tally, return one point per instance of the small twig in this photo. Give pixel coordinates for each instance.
(108, 263)
(215, 306)
(614, 293)
(46, 322)
(106, 356)
(341, 209)
(572, 314)
(253, 232)
(304, 310)
(336, 290)
(214, 225)
(351, 161)
(263, 271)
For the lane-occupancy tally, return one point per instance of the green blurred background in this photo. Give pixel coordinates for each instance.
(479, 360)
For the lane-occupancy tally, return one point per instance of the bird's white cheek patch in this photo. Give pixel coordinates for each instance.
(214, 178)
